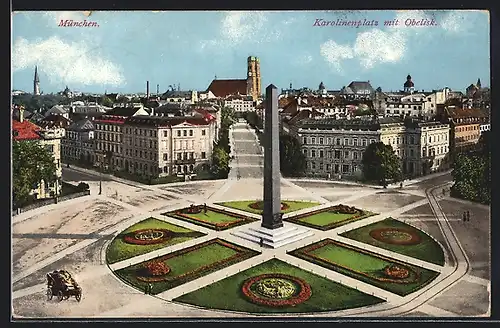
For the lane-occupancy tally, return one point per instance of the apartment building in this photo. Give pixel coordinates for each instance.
(78, 143)
(109, 136)
(158, 146)
(465, 128)
(240, 103)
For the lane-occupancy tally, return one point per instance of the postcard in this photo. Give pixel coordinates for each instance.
(244, 164)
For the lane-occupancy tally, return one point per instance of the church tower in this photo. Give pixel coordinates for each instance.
(409, 86)
(478, 84)
(36, 83)
(253, 78)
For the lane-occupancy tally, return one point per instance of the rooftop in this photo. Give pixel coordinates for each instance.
(224, 88)
(23, 131)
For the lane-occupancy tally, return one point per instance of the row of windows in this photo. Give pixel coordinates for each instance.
(467, 128)
(337, 154)
(434, 151)
(467, 138)
(152, 133)
(337, 168)
(404, 106)
(347, 141)
(108, 127)
(109, 137)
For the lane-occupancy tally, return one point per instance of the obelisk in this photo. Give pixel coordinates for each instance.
(271, 216)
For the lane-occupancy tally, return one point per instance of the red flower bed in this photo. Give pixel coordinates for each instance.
(304, 253)
(147, 236)
(242, 253)
(157, 268)
(260, 206)
(394, 271)
(395, 236)
(304, 294)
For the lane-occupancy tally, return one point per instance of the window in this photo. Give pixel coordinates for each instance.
(345, 168)
(337, 154)
(305, 152)
(203, 132)
(321, 154)
(304, 140)
(346, 154)
(372, 141)
(320, 141)
(355, 155)
(412, 140)
(165, 133)
(355, 142)
(328, 167)
(411, 153)
(313, 153)
(179, 133)
(337, 141)
(346, 141)
(165, 157)
(364, 142)
(191, 155)
(354, 168)
(179, 156)
(321, 166)
(203, 155)
(190, 133)
(329, 141)
(313, 140)
(313, 165)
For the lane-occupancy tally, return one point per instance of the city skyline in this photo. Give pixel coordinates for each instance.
(301, 48)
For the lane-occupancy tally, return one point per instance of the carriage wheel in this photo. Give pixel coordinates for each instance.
(66, 297)
(60, 295)
(49, 294)
(78, 295)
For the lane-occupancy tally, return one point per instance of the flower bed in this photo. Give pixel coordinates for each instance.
(357, 214)
(396, 236)
(260, 206)
(411, 276)
(147, 236)
(142, 273)
(276, 290)
(183, 214)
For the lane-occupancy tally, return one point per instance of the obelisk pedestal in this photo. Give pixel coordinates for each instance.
(272, 233)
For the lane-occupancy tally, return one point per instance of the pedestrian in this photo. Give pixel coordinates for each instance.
(401, 185)
(204, 208)
(468, 216)
(261, 242)
(150, 289)
(464, 218)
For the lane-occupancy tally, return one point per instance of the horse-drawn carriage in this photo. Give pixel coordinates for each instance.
(63, 285)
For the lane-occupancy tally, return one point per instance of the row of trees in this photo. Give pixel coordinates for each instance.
(31, 163)
(472, 173)
(220, 156)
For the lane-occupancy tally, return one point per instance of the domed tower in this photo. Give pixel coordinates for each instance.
(322, 88)
(409, 86)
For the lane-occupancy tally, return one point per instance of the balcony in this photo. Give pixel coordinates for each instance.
(185, 161)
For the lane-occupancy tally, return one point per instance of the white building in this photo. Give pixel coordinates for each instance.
(240, 103)
(78, 143)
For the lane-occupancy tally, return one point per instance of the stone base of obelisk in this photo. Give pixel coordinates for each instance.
(274, 238)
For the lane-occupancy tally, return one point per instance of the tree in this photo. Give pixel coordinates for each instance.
(227, 117)
(380, 163)
(31, 163)
(292, 159)
(220, 163)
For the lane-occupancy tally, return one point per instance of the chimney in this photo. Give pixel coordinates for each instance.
(21, 114)
(147, 89)
(157, 89)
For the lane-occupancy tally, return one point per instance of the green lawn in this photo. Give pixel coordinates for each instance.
(119, 250)
(427, 250)
(189, 262)
(325, 218)
(326, 295)
(212, 219)
(293, 205)
(367, 263)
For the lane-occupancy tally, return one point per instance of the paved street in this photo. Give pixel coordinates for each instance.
(74, 235)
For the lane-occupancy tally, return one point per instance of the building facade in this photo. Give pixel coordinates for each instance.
(240, 103)
(158, 146)
(78, 143)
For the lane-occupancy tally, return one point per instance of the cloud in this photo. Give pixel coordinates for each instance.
(455, 21)
(303, 59)
(66, 63)
(335, 53)
(240, 27)
(378, 46)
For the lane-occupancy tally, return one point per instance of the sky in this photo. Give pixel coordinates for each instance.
(125, 49)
